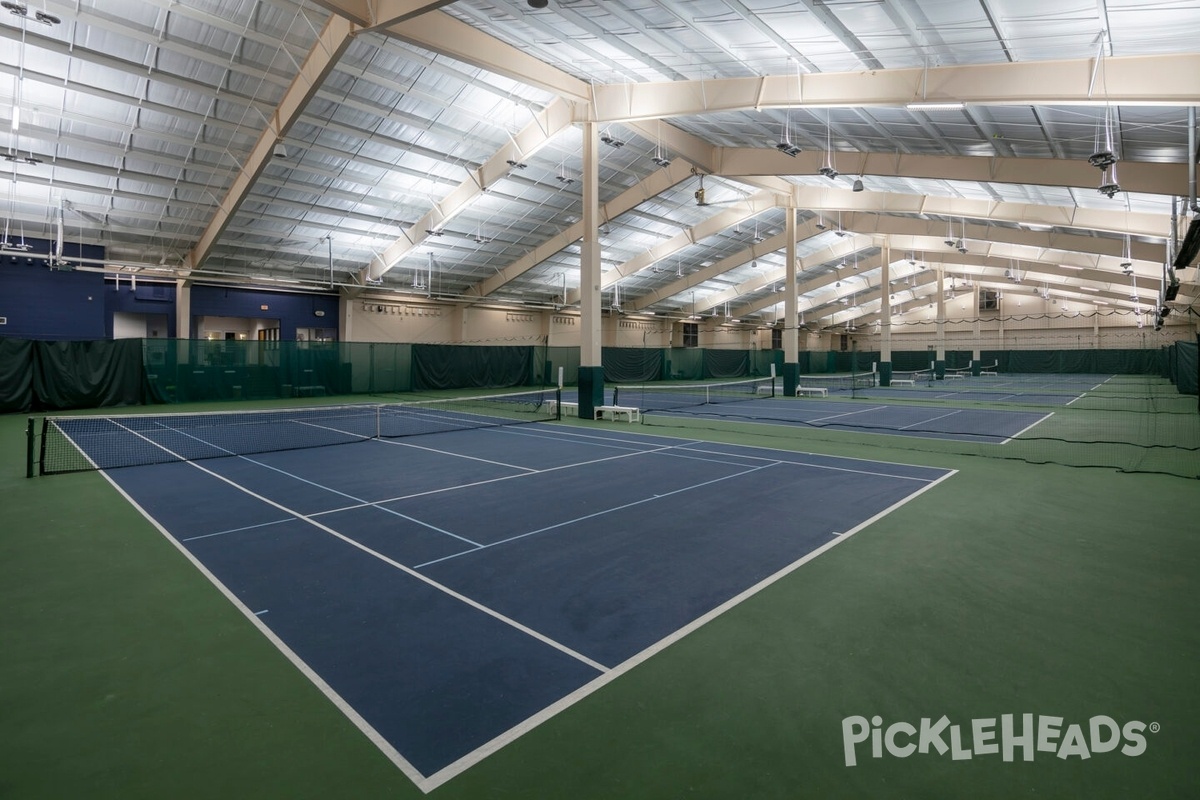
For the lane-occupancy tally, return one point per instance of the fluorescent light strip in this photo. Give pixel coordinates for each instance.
(935, 106)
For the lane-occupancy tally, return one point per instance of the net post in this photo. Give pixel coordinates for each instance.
(29, 447)
(42, 447)
(853, 368)
(558, 400)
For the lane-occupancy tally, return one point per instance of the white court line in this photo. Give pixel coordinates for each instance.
(847, 414)
(598, 514)
(568, 434)
(1080, 397)
(385, 559)
(932, 419)
(236, 530)
(302, 480)
(399, 443)
(1028, 427)
(693, 445)
(835, 469)
(385, 747)
(521, 475)
(469, 760)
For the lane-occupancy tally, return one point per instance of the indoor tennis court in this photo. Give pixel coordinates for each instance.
(599, 399)
(514, 567)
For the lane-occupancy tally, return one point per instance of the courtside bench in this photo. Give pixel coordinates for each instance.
(812, 391)
(630, 413)
(569, 409)
(903, 382)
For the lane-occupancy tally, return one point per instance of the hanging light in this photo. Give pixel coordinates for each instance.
(828, 170)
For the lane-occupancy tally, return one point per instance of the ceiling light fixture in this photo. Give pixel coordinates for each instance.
(279, 151)
(828, 170)
(954, 105)
(611, 140)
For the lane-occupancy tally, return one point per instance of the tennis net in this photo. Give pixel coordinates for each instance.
(902, 377)
(672, 397)
(836, 383)
(78, 443)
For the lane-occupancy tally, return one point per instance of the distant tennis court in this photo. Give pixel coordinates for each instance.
(449, 591)
(762, 401)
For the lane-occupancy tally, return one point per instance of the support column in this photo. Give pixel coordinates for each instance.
(791, 328)
(348, 306)
(183, 309)
(939, 363)
(591, 370)
(977, 351)
(885, 315)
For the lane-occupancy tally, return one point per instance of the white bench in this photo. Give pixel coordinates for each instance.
(812, 391)
(950, 376)
(987, 372)
(903, 382)
(765, 390)
(630, 413)
(569, 409)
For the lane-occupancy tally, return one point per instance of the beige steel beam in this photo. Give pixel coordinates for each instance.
(655, 183)
(332, 42)
(376, 13)
(441, 33)
(1136, 176)
(546, 125)
(1172, 79)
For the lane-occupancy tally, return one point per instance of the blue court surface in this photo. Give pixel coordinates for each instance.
(872, 414)
(1056, 390)
(450, 591)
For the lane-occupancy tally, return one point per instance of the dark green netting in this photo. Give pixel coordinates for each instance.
(686, 363)
(16, 375)
(455, 366)
(1185, 367)
(87, 374)
(568, 359)
(183, 370)
(726, 363)
(379, 367)
(911, 360)
(761, 362)
(632, 364)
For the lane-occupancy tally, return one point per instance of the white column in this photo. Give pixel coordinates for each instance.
(885, 303)
(589, 257)
(183, 309)
(941, 314)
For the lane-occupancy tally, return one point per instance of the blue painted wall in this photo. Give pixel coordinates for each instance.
(292, 310)
(43, 304)
(145, 298)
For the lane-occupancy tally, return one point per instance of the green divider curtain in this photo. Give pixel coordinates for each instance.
(1186, 367)
(87, 374)
(457, 366)
(726, 363)
(687, 364)
(631, 364)
(568, 359)
(16, 375)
